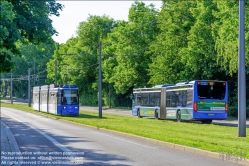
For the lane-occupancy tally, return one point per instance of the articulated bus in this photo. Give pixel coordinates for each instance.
(199, 100)
(58, 100)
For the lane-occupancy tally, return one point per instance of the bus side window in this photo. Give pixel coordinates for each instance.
(157, 96)
(145, 99)
(168, 99)
(137, 99)
(184, 99)
(175, 99)
(152, 99)
(189, 96)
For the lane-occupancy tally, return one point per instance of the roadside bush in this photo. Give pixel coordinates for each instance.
(233, 112)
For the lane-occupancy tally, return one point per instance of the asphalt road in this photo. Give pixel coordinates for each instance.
(73, 143)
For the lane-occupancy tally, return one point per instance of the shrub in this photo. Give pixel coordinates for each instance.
(233, 111)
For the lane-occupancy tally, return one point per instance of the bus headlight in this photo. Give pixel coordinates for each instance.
(64, 107)
(76, 107)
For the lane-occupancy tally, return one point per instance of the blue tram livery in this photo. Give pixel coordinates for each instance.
(58, 100)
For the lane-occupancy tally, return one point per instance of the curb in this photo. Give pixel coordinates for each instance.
(12, 145)
(221, 156)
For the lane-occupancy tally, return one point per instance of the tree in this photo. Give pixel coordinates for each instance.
(225, 33)
(200, 56)
(33, 57)
(8, 35)
(25, 21)
(80, 54)
(174, 21)
(130, 45)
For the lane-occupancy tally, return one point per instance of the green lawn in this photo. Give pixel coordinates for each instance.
(209, 137)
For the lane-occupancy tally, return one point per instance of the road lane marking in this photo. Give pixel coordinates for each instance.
(62, 147)
(124, 140)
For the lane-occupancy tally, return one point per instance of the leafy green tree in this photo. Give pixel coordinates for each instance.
(33, 57)
(175, 21)
(8, 36)
(225, 32)
(130, 45)
(25, 21)
(200, 55)
(80, 55)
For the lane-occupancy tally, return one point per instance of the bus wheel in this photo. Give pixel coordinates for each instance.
(206, 121)
(178, 118)
(156, 114)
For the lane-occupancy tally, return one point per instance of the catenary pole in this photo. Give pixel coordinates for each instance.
(100, 80)
(11, 89)
(29, 87)
(241, 74)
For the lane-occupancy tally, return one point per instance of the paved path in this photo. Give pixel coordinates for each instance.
(8, 145)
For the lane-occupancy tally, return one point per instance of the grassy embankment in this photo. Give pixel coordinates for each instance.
(221, 139)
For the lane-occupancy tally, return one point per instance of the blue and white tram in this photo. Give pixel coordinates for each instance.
(59, 100)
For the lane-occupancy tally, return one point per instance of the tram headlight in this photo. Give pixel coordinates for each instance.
(64, 107)
(76, 107)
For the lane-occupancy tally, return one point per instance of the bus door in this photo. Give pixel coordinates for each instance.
(135, 104)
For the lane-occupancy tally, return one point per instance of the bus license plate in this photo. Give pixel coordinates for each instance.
(217, 108)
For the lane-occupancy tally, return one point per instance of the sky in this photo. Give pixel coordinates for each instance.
(75, 12)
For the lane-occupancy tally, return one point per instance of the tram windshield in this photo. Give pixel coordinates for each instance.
(70, 97)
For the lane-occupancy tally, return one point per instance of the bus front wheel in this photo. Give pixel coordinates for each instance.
(178, 118)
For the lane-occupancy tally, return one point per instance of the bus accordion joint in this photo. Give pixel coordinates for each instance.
(195, 107)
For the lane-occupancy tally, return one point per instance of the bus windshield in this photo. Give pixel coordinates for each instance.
(211, 90)
(70, 97)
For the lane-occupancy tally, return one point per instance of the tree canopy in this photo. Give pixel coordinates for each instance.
(25, 21)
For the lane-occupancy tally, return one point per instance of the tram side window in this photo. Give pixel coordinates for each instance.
(59, 98)
(44, 98)
(36, 98)
(52, 98)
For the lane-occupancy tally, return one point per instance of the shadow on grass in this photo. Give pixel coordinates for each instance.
(82, 115)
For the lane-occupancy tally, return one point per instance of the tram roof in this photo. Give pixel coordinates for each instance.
(53, 86)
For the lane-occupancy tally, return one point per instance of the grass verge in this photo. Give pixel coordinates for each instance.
(221, 139)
